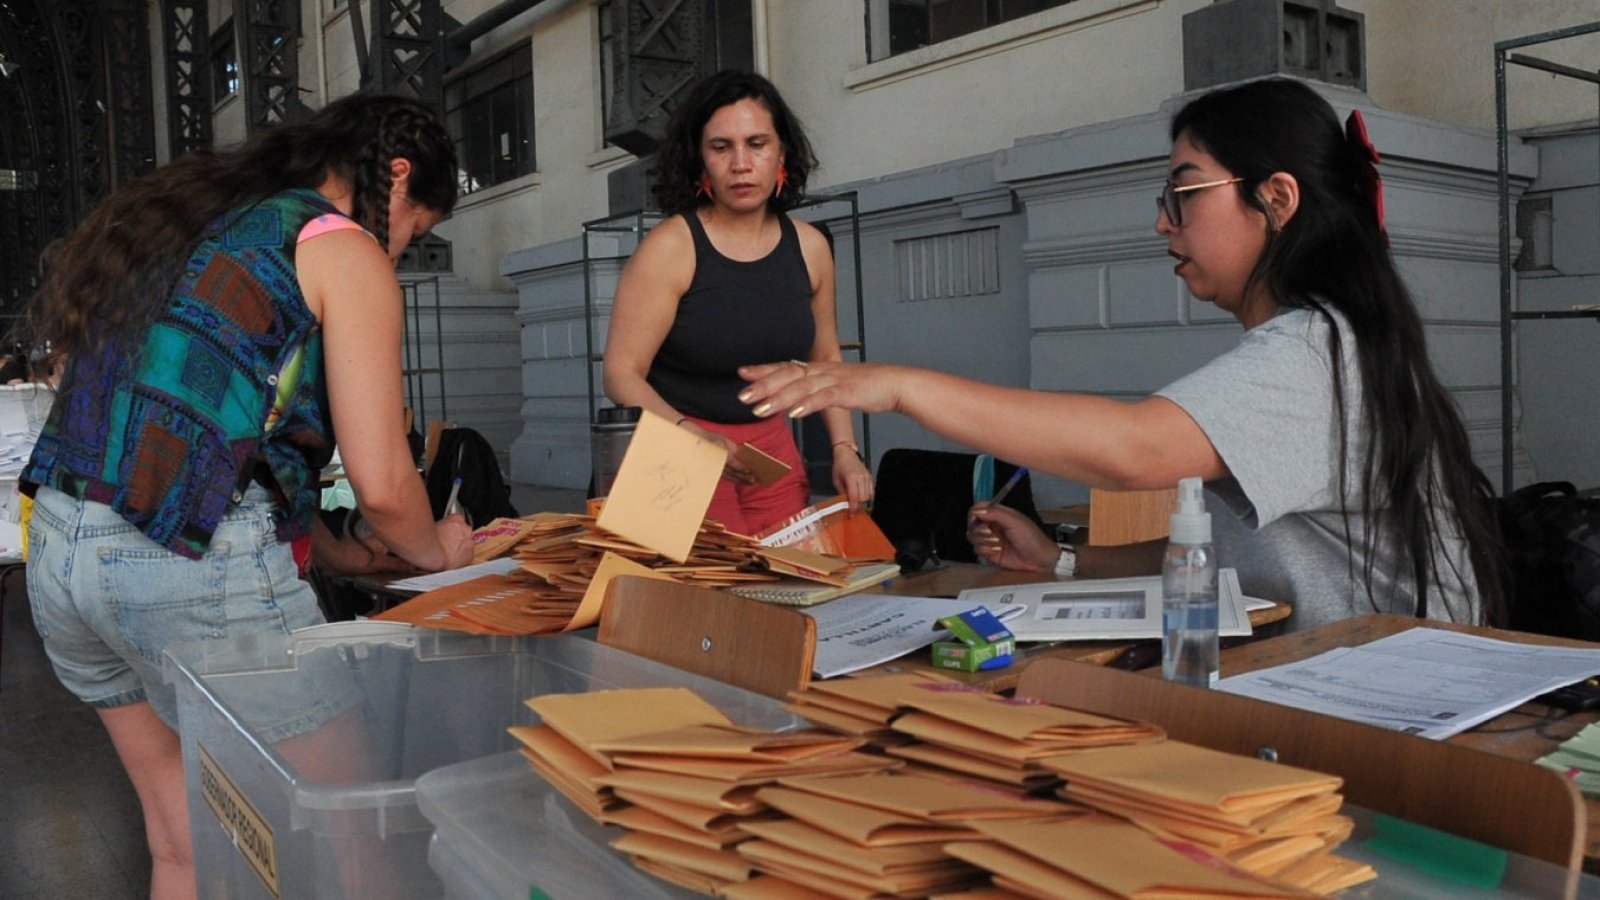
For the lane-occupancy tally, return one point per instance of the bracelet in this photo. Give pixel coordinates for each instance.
(681, 420)
(854, 447)
(1067, 562)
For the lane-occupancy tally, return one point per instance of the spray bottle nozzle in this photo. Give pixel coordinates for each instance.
(1191, 524)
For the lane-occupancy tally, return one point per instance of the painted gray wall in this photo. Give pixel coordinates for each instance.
(1039, 266)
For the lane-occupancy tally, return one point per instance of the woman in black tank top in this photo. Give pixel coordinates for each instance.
(729, 279)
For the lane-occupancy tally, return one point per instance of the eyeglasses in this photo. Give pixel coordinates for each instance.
(1168, 201)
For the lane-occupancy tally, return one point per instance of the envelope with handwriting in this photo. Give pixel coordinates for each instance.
(663, 487)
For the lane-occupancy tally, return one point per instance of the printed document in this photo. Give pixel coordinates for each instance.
(862, 630)
(1425, 681)
(435, 580)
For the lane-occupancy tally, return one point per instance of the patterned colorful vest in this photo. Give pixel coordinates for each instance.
(168, 425)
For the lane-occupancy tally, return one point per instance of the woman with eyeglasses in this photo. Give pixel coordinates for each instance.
(1338, 468)
(729, 279)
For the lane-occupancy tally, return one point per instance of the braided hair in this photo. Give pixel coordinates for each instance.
(115, 271)
(1418, 479)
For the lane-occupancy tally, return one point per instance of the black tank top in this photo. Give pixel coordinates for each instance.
(734, 314)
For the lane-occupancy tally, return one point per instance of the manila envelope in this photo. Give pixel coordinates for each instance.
(1308, 815)
(787, 861)
(758, 771)
(637, 818)
(873, 697)
(718, 823)
(865, 825)
(733, 742)
(1128, 862)
(1018, 875)
(664, 487)
(1033, 721)
(930, 799)
(1327, 873)
(708, 885)
(878, 861)
(594, 597)
(1173, 774)
(769, 887)
(766, 469)
(592, 804)
(497, 537)
(703, 792)
(724, 864)
(595, 716)
(840, 721)
(945, 758)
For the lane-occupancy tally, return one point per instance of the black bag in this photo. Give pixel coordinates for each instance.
(1552, 543)
(484, 493)
(921, 498)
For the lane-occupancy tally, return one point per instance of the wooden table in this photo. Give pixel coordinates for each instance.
(951, 579)
(1527, 732)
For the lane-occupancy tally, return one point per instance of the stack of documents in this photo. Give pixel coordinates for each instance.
(1098, 856)
(880, 834)
(864, 707)
(23, 409)
(1578, 758)
(1002, 739)
(674, 772)
(1269, 819)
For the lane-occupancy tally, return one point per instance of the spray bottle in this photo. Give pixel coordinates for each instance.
(1189, 593)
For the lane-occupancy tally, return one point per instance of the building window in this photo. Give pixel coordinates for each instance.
(224, 63)
(900, 26)
(489, 112)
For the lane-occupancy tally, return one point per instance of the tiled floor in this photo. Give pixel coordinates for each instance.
(69, 820)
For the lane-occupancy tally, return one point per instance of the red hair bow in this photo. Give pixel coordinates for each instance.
(1355, 133)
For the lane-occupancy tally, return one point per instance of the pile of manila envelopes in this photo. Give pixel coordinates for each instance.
(653, 525)
(1109, 808)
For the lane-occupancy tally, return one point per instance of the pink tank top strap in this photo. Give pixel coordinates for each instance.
(327, 224)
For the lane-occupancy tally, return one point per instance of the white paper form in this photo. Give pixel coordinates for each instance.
(861, 630)
(1423, 681)
(502, 566)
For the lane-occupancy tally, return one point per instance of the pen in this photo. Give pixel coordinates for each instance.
(452, 507)
(1006, 488)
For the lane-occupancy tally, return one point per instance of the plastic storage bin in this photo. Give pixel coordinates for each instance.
(500, 830)
(327, 807)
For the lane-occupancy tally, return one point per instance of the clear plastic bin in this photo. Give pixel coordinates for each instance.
(500, 831)
(332, 812)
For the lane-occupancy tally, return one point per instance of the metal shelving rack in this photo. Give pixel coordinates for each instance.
(635, 224)
(420, 294)
(1504, 56)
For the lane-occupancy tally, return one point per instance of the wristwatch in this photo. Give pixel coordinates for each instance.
(1067, 562)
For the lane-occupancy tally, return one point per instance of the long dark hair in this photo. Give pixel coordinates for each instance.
(115, 270)
(1332, 255)
(678, 166)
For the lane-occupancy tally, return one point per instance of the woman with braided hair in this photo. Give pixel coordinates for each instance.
(220, 320)
(1338, 467)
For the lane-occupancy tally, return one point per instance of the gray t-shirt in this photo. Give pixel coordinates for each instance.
(1267, 407)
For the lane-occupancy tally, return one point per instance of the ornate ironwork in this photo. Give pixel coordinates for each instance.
(127, 79)
(662, 44)
(188, 61)
(408, 49)
(271, 60)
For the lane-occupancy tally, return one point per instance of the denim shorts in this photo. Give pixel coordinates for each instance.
(107, 600)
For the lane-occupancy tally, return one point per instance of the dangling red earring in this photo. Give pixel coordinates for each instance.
(783, 179)
(702, 188)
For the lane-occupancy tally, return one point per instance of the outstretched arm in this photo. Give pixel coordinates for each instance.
(1093, 440)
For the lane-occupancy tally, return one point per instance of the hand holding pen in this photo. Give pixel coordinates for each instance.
(452, 506)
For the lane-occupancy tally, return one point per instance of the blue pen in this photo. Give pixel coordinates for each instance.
(452, 507)
(1006, 488)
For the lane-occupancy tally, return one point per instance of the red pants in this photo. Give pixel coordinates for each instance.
(749, 508)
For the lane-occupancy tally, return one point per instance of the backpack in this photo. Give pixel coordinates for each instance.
(484, 493)
(1552, 545)
(921, 499)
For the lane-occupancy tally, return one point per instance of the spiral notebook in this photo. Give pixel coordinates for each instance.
(800, 592)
